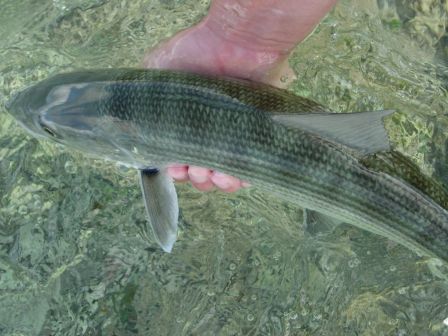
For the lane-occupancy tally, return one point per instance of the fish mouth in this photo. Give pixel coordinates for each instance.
(11, 101)
(45, 107)
(19, 106)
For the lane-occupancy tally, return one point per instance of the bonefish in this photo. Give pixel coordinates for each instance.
(336, 164)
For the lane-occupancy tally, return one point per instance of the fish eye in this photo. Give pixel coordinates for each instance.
(49, 131)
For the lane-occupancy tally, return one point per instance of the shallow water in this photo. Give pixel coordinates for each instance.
(71, 258)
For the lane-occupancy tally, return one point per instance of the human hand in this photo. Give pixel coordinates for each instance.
(250, 40)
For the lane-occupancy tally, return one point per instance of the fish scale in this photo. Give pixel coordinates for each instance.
(229, 125)
(312, 152)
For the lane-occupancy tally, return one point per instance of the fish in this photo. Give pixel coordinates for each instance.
(336, 165)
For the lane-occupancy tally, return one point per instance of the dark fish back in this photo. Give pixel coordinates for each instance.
(396, 164)
(258, 95)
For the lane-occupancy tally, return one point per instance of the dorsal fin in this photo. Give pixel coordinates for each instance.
(363, 131)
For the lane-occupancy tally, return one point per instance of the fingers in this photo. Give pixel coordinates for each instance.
(205, 179)
(178, 172)
(225, 182)
(200, 178)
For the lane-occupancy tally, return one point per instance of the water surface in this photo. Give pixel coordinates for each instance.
(71, 258)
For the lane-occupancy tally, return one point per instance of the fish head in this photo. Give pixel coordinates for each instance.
(66, 110)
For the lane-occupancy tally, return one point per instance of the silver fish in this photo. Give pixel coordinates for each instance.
(336, 164)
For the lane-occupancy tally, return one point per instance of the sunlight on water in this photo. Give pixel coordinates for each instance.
(72, 261)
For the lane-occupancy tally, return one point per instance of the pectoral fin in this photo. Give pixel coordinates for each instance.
(161, 205)
(363, 131)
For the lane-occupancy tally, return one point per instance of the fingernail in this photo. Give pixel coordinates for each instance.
(224, 181)
(178, 172)
(198, 175)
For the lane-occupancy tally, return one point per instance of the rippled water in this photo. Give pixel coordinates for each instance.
(71, 258)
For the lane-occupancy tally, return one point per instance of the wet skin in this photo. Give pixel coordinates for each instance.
(240, 38)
